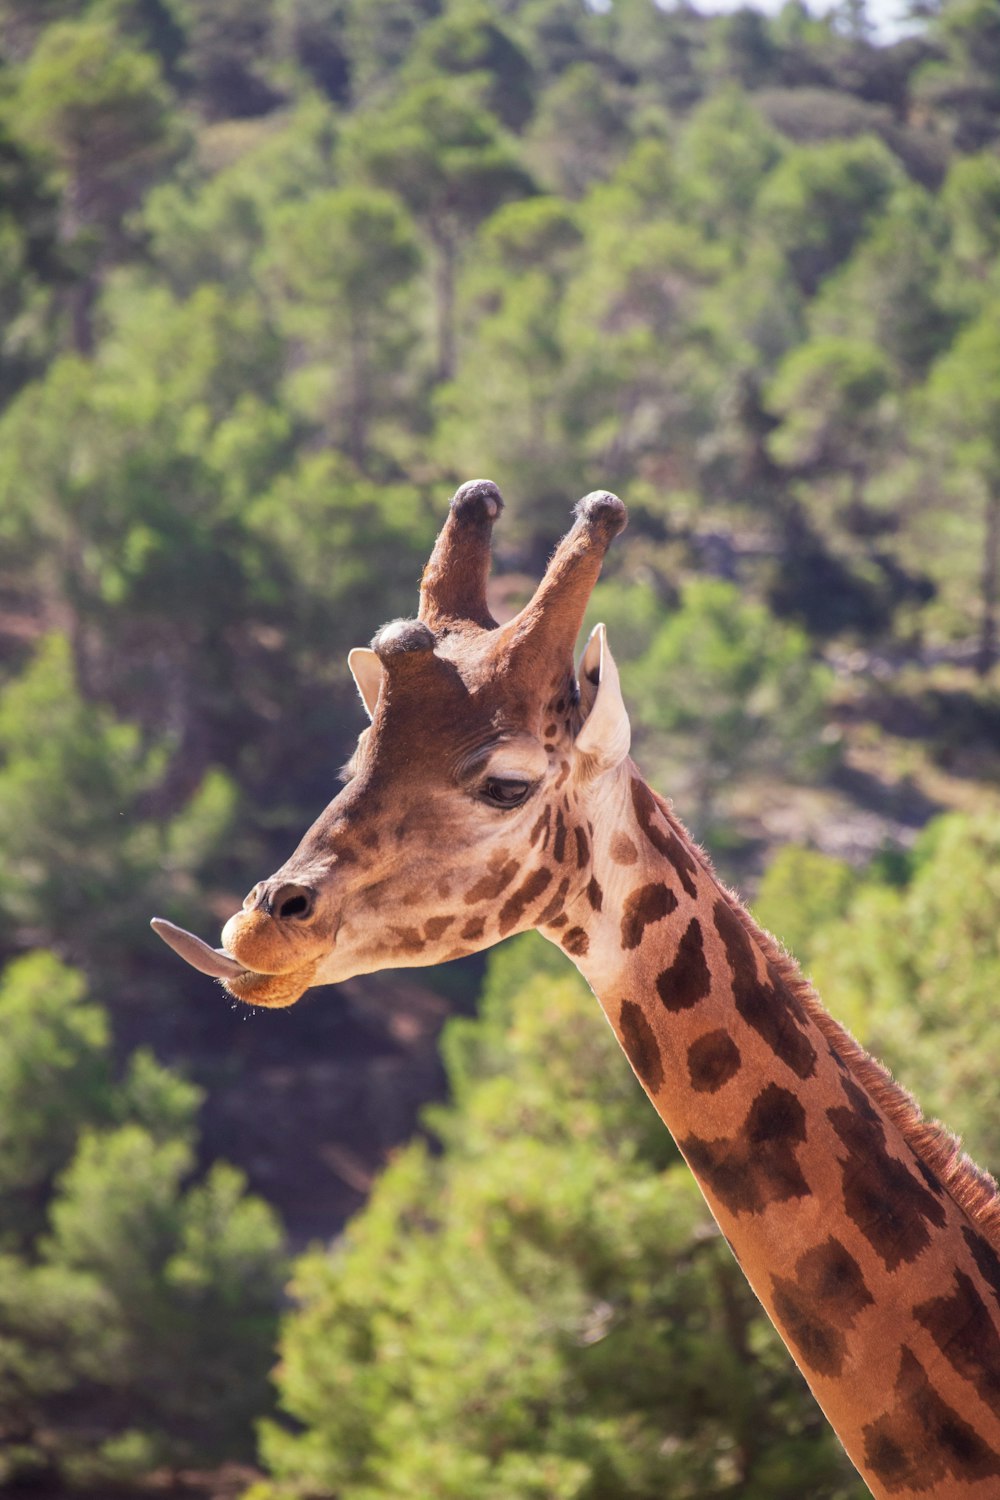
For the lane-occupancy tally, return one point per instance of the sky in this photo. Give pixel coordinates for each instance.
(887, 16)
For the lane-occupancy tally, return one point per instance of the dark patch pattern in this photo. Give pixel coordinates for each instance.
(664, 840)
(646, 904)
(594, 894)
(772, 1010)
(436, 927)
(541, 828)
(555, 906)
(489, 886)
(820, 1346)
(836, 1057)
(964, 1332)
(829, 1274)
(712, 1060)
(860, 1102)
(640, 1045)
(922, 1441)
(623, 851)
(929, 1177)
(576, 942)
(756, 1167)
(825, 1298)
(582, 847)
(559, 842)
(516, 905)
(473, 930)
(986, 1258)
(887, 1202)
(408, 937)
(687, 980)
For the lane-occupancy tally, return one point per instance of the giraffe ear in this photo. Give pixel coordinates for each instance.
(606, 734)
(366, 669)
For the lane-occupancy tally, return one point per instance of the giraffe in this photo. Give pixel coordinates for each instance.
(493, 792)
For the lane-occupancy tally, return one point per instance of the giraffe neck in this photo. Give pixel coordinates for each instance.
(871, 1245)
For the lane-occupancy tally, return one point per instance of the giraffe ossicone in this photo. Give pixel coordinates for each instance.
(492, 792)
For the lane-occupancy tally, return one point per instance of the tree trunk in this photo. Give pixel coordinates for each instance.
(357, 436)
(986, 654)
(444, 288)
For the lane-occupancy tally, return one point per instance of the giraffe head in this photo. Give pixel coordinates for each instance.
(464, 816)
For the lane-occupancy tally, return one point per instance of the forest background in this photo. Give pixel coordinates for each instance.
(274, 276)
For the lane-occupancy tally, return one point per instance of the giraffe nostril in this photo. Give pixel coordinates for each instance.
(293, 903)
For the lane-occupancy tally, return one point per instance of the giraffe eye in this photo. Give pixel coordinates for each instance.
(501, 792)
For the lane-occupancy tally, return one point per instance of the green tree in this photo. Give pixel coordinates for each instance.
(724, 155)
(827, 395)
(580, 131)
(191, 1278)
(889, 292)
(819, 200)
(206, 226)
(961, 87)
(345, 262)
(227, 49)
(970, 198)
(138, 1305)
(733, 691)
(470, 41)
(962, 436)
(82, 857)
(101, 112)
(450, 162)
(53, 1074)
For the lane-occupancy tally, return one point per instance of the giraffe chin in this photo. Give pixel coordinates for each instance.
(272, 990)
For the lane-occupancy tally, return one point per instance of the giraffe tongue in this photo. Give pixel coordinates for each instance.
(214, 961)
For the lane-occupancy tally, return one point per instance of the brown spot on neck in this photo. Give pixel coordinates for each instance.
(712, 1060)
(665, 840)
(576, 942)
(643, 906)
(770, 1008)
(887, 1202)
(554, 908)
(963, 1330)
(921, 1441)
(517, 904)
(640, 1045)
(623, 851)
(559, 842)
(758, 1165)
(825, 1298)
(687, 980)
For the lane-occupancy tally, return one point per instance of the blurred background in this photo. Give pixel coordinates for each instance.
(274, 276)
